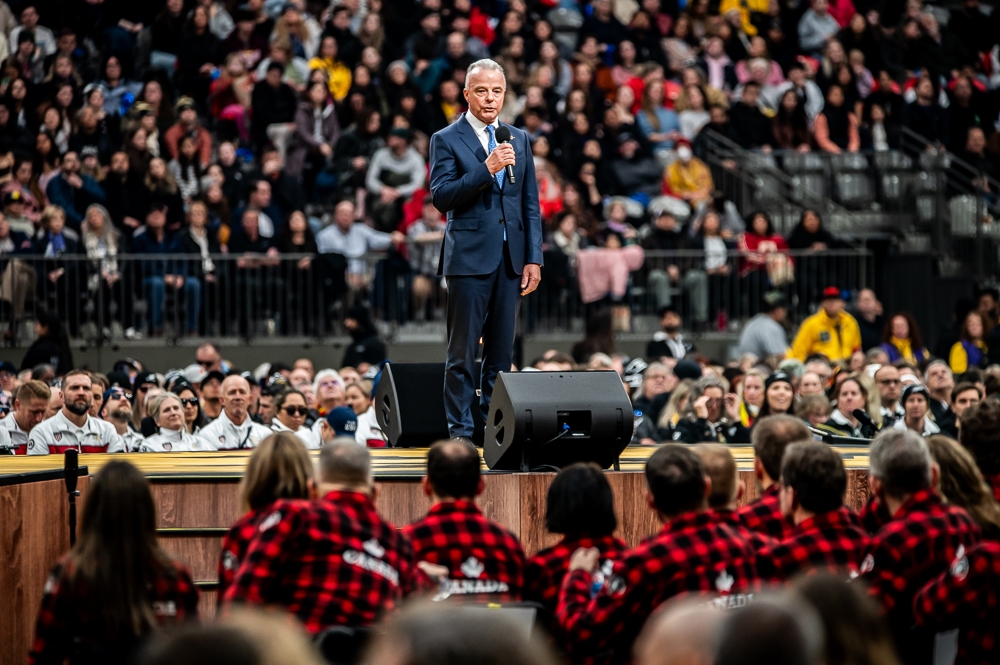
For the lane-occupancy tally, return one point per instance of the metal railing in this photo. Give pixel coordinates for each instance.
(171, 297)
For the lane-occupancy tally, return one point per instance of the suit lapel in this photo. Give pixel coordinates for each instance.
(469, 136)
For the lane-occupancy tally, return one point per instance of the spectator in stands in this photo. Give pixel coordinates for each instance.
(233, 429)
(167, 412)
(963, 396)
(940, 382)
(290, 416)
(425, 238)
(580, 507)
(366, 348)
(970, 349)
(901, 340)
(669, 342)
(158, 274)
(764, 335)
(72, 191)
(51, 345)
(194, 419)
(274, 104)
(658, 125)
(354, 240)
(890, 390)
(790, 126)
(918, 543)
(275, 573)
(831, 331)
(849, 395)
(763, 258)
(633, 168)
(916, 406)
(279, 468)
(868, 313)
(612, 618)
(73, 427)
(752, 127)
(836, 128)
(688, 178)
(779, 396)
(328, 388)
(924, 115)
(31, 402)
(961, 483)
(770, 439)
(316, 132)
(187, 125)
(116, 585)
(483, 559)
(816, 27)
(395, 173)
(115, 407)
(711, 415)
(656, 380)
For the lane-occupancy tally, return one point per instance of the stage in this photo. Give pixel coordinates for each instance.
(197, 498)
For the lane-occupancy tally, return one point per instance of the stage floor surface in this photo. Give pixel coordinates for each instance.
(389, 463)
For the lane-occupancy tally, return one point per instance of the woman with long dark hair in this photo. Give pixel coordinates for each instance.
(790, 125)
(779, 396)
(194, 419)
(580, 507)
(836, 128)
(116, 586)
(901, 340)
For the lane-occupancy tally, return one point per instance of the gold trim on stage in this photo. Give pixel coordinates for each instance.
(389, 463)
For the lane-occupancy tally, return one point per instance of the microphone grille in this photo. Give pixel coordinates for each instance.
(502, 134)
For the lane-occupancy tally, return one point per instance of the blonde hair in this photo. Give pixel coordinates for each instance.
(672, 411)
(51, 211)
(279, 468)
(156, 403)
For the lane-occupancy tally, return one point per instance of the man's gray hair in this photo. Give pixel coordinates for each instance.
(902, 461)
(484, 65)
(927, 370)
(344, 462)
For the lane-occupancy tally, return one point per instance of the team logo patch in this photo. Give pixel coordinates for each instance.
(724, 582)
(372, 547)
(57, 436)
(31, 444)
(269, 521)
(960, 566)
(168, 446)
(616, 585)
(229, 561)
(824, 337)
(222, 439)
(351, 426)
(868, 565)
(472, 568)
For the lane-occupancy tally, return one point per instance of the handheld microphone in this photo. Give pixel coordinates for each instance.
(503, 136)
(868, 427)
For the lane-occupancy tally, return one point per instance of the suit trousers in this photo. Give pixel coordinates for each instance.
(486, 306)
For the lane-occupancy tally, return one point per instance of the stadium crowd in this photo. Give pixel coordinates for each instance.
(207, 129)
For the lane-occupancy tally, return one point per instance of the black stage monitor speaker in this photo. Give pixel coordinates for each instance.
(409, 405)
(553, 419)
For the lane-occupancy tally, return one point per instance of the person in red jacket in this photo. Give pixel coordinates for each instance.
(694, 554)
(329, 562)
(116, 586)
(770, 437)
(279, 468)
(580, 506)
(828, 536)
(918, 544)
(483, 559)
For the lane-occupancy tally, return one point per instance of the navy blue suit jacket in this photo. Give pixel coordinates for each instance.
(464, 189)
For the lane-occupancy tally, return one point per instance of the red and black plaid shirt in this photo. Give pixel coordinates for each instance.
(234, 548)
(482, 558)
(764, 515)
(874, 515)
(70, 623)
(966, 596)
(544, 572)
(908, 552)
(693, 554)
(331, 562)
(757, 540)
(832, 542)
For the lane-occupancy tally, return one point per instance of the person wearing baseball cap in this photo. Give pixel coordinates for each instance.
(187, 123)
(831, 331)
(916, 402)
(20, 225)
(779, 395)
(341, 421)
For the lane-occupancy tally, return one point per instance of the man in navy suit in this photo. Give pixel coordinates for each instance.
(492, 251)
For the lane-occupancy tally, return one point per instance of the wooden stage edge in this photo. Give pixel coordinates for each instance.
(197, 499)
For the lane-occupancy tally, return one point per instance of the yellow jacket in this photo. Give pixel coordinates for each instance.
(744, 7)
(835, 338)
(958, 359)
(691, 179)
(338, 75)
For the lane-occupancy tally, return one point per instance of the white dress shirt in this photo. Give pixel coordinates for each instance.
(58, 433)
(479, 127)
(308, 438)
(170, 441)
(223, 434)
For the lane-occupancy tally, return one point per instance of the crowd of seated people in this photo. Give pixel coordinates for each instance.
(171, 128)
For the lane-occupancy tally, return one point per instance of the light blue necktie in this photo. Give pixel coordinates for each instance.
(491, 145)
